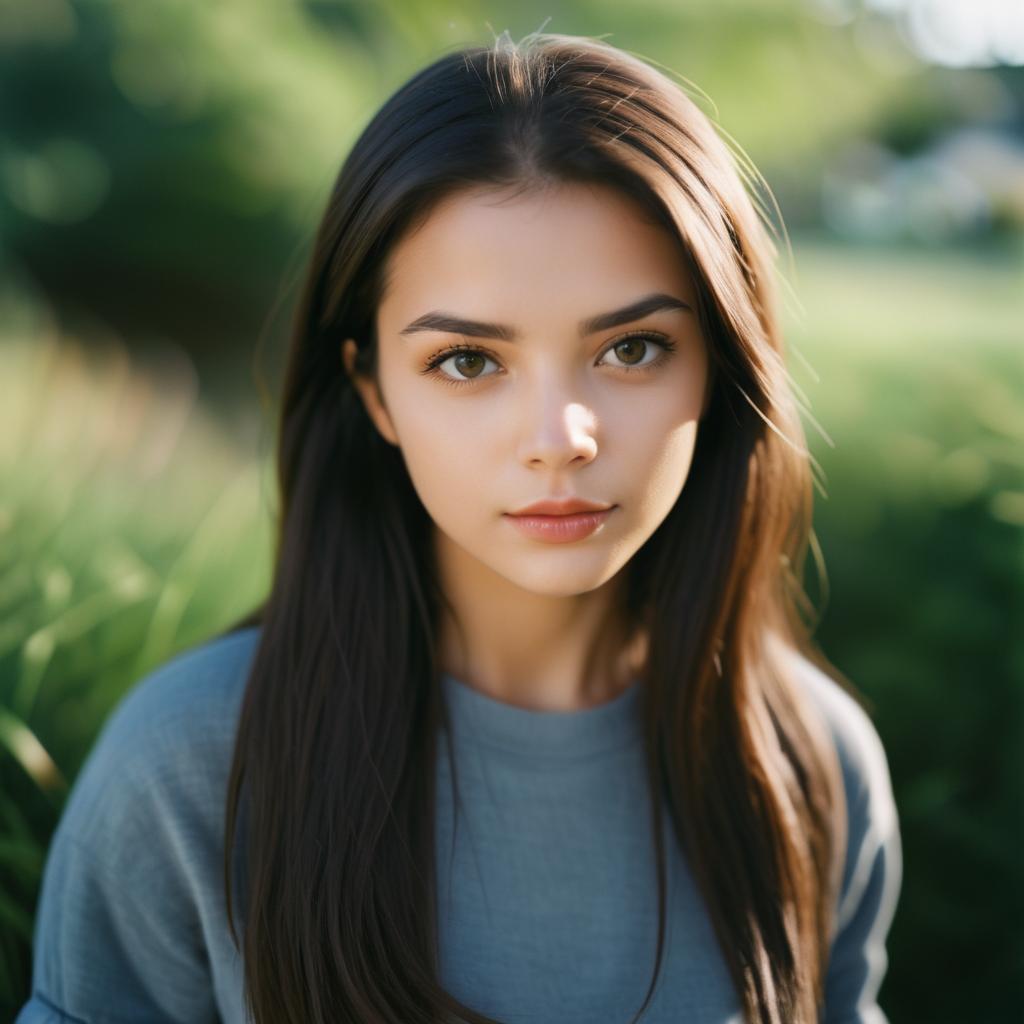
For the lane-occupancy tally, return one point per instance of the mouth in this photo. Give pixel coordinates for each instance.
(560, 529)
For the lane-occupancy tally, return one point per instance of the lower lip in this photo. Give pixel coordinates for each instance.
(561, 529)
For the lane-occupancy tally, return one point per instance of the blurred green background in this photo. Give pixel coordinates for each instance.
(162, 168)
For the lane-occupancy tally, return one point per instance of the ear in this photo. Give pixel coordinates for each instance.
(369, 393)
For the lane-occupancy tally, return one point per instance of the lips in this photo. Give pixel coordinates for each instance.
(560, 529)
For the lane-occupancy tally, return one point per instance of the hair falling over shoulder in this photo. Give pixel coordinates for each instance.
(331, 791)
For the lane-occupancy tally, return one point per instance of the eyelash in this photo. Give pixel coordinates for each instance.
(661, 340)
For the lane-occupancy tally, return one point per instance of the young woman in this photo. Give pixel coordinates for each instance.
(530, 727)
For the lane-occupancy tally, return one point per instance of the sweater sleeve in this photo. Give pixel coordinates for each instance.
(118, 931)
(113, 947)
(872, 876)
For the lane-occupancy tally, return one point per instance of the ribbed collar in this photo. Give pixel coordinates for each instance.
(565, 735)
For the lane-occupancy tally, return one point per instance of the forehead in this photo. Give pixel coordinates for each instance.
(570, 248)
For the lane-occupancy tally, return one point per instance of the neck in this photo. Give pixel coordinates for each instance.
(531, 648)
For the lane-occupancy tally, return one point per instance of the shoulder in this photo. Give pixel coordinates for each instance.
(164, 752)
(196, 694)
(857, 741)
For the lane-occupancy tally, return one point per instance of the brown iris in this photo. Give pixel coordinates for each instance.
(639, 345)
(460, 358)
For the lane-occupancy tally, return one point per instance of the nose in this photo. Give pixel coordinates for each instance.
(557, 431)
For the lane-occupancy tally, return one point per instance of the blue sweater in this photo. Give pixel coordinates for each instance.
(546, 890)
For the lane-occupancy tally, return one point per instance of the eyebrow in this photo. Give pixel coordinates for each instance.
(448, 323)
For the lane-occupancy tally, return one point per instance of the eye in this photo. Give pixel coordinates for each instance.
(465, 359)
(634, 347)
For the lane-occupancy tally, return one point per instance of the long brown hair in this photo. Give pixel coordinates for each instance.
(333, 770)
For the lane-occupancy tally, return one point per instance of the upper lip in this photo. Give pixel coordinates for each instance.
(561, 507)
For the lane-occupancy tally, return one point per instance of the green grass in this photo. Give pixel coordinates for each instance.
(132, 526)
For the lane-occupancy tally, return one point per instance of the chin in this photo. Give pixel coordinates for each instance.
(561, 580)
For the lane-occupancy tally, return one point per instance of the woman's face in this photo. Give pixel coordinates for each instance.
(546, 405)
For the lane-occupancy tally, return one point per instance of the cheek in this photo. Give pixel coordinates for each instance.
(669, 463)
(445, 453)
(656, 447)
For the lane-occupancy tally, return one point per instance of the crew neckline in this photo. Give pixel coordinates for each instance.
(563, 735)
